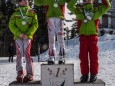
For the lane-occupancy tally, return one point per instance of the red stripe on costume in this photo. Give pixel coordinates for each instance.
(46, 7)
(49, 53)
(29, 59)
(17, 50)
(79, 22)
(28, 48)
(62, 9)
(105, 3)
(50, 25)
(96, 24)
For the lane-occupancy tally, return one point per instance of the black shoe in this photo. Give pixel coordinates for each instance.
(84, 78)
(93, 78)
(19, 79)
(61, 61)
(51, 61)
(28, 78)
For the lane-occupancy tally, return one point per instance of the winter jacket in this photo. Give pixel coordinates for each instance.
(89, 27)
(16, 26)
(51, 10)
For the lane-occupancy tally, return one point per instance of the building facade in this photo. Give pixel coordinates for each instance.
(108, 19)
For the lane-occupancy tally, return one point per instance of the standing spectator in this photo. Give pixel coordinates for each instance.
(88, 18)
(23, 24)
(11, 52)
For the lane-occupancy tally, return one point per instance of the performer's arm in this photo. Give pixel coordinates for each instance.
(12, 26)
(105, 7)
(71, 6)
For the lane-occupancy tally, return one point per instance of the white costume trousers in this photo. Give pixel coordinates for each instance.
(23, 49)
(55, 30)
